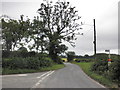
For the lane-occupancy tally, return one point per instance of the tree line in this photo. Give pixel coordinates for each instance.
(56, 23)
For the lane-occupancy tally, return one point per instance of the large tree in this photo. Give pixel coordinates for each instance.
(37, 34)
(21, 32)
(9, 33)
(59, 24)
(13, 31)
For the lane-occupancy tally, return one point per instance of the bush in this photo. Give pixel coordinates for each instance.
(33, 63)
(22, 53)
(6, 63)
(84, 60)
(114, 71)
(77, 60)
(19, 54)
(5, 53)
(100, 66)
(45, 62)
(59, 60)
(9, 54)
(14, 63)
(31, 54)
(70, 56)
(26, 63)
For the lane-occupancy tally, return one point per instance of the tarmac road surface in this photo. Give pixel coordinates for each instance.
(71, 76)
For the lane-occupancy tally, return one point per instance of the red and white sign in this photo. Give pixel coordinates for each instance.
(109, 60)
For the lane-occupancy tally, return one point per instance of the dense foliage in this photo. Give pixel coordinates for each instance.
(26, 63)
(56, 23)
(111, 71)
(100, 66)
(9, 54)
(84, 59)
(59, 23)
(70, 56)
(114, 71)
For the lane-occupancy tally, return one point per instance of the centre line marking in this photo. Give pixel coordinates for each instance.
(46, 75)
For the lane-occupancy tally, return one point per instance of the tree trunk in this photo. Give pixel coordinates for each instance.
(54, 56)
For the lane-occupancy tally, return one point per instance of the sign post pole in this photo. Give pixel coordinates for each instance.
(109, 57)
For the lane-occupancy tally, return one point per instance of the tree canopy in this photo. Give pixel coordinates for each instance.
(59, 24)
(56, 23)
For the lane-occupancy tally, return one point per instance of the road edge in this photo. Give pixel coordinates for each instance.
(90, 77)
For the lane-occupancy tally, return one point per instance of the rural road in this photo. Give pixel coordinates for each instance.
(69, 77)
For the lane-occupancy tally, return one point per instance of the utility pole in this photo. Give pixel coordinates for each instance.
(94, 39)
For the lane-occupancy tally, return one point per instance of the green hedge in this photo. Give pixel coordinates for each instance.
(111, 72)
(26, 63)
(100, 66)
(23, 54)
(114, 71)
(84, 60)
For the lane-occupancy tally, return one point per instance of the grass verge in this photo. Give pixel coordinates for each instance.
(101, 79)
(21, 71)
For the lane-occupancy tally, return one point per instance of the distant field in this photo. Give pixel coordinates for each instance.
(80, 59)
(65, 59)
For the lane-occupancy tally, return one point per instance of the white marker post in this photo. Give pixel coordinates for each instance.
(109, 57)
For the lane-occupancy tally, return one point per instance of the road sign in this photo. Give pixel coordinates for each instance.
(107, 50)
(109, 60)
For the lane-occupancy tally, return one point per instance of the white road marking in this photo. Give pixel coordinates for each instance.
(22, 74)
(45, 76)
(19, 75)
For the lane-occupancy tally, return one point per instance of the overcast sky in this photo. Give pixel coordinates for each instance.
(104, 11)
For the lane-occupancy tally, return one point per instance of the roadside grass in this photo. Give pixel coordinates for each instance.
(7, 71)
(101, 79)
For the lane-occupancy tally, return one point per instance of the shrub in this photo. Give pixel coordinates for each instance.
(5, 53)
(31, 54)
(45, 62)
(70, 56)
(14, 63)
(77, 60)
(59, 60)
(84, 60)
(19, 54)
(9, 54)
(114, 71)
(26, 63)
(33, 63)
(6, 63)
(19, 63)
(15, 54)
(100, 66)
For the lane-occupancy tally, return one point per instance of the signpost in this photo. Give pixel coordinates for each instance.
(109, 57)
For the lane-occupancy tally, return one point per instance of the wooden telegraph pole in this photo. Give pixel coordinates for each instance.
(94, 39)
